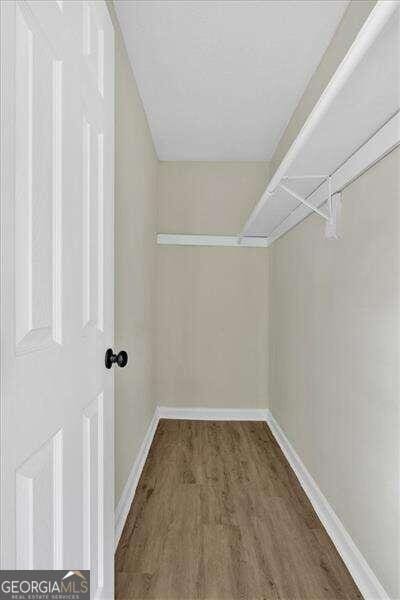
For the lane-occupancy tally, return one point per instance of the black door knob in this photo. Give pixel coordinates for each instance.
(121, 358)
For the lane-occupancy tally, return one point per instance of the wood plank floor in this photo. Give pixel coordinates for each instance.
(219, 514)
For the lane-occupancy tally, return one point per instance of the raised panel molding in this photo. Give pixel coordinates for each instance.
(93, 45)
(38, 108)
(100, 231)
(86, 204)
(93, 225)
(93, 491)
(39, 510)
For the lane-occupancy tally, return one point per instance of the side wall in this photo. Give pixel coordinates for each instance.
(334, 358)
(211, 302)
(135, 264)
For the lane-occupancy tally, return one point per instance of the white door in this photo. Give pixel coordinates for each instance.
(57, 128)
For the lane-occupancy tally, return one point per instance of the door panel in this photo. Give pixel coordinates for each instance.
(57, 107)
(93, 440)
(93, 45)
(92, 217)
(39, 497)
(37, 187)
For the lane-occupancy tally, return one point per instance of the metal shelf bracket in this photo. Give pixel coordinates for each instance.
(334, 204)
(304, 201)
(335, 209)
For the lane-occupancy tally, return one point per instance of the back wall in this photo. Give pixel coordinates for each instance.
(211, 345)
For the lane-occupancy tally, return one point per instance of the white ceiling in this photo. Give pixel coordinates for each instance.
(219, 80)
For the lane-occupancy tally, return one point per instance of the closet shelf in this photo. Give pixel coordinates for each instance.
(183, 239)
(354, 124)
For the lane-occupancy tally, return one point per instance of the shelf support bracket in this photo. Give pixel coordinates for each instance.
(332, 225)
(304, 201)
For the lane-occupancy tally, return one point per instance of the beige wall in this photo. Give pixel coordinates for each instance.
(135, 264)
(211, 302)
(334, 340)
(334, 358)
(212, 198)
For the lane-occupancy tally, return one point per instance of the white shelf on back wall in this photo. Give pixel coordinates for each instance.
(182, 239)
(355, 122)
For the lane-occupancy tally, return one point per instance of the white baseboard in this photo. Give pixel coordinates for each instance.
(212, 414)
(365, 578)
(125, 501)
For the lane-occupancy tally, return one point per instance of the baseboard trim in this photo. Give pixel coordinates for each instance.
(364, 577)
(212, 414)
(128, 493)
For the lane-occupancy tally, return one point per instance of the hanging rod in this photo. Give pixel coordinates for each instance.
(367, 35)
